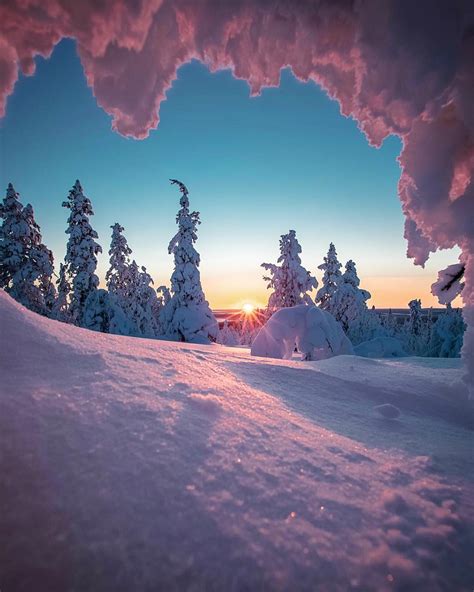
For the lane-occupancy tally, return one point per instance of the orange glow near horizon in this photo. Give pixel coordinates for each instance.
(387, 292)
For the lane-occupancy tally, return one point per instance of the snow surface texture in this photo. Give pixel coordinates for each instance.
(401, 68)
(133, 464)
(314, 332)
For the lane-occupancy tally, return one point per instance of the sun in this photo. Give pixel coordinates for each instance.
(248, 308)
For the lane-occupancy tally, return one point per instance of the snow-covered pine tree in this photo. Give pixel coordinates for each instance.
(139, 301)
(228, 335)
(26, 264)
(288, 279)
(331, 279)
(365, 327)
(349, 301)
(187, 316)
(103, 313)
(447, 334)
(82, 251)
(389, 323)
(415, 336)
(119, 260)
(60, 310)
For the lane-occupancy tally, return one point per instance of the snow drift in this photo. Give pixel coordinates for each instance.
(133, 464)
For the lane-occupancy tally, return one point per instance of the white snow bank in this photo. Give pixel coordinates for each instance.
(380, 347)
(314, 332)
(132, 464)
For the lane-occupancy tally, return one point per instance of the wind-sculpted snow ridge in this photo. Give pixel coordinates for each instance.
(134, 464)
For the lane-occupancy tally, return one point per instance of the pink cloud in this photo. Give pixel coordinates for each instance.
(397, 67)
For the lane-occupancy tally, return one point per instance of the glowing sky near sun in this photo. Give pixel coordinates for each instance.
(255, 167)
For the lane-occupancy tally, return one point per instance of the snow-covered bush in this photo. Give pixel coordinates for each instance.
(288, 279)
(102, 312)
(331, 279)
(187, 315)
(380, 347)
(26, 264)
(314, 332)
(81, 254)
(349, 301)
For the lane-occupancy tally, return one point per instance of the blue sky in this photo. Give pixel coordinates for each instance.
(255, 168)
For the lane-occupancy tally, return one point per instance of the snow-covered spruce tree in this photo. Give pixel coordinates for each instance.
(26, 264)
(389, 323)
(415, 336)
(447, 334)
(103, 313)
(139, 301)
(288, 279)
(81, 254)
(119, 260)
(349, 301)
(228, 335)
(365, 327)
(331, 279)
(187, 316)
(60, 310)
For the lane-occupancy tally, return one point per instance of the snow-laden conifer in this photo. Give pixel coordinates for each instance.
(365, 327)
(119, 253)
(60, 310)
(349, 301)
(82, 251)
(26, 264)
(331, 279)
(103, 313)
(288, 279)
(228, 335)
(187, 316)
(447, 334)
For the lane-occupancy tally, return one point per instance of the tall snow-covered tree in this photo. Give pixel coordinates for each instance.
(331, 279)
(187, 316)
(26, 264)
(119, 261)
(60, 310)
(288, 279)
(82, 251)
(349, 301)
(415, 335)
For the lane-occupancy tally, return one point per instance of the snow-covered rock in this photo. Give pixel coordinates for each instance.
(380, 347)
(136, 464)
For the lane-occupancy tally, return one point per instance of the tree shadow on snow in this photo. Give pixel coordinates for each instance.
(432, 427)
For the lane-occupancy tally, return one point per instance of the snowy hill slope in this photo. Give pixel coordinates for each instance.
(130, 464)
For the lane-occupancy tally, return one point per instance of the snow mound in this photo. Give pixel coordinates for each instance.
(134, 464)
(380, 347)
(314, 332)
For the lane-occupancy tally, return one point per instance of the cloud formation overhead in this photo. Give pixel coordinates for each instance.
(397, 67)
